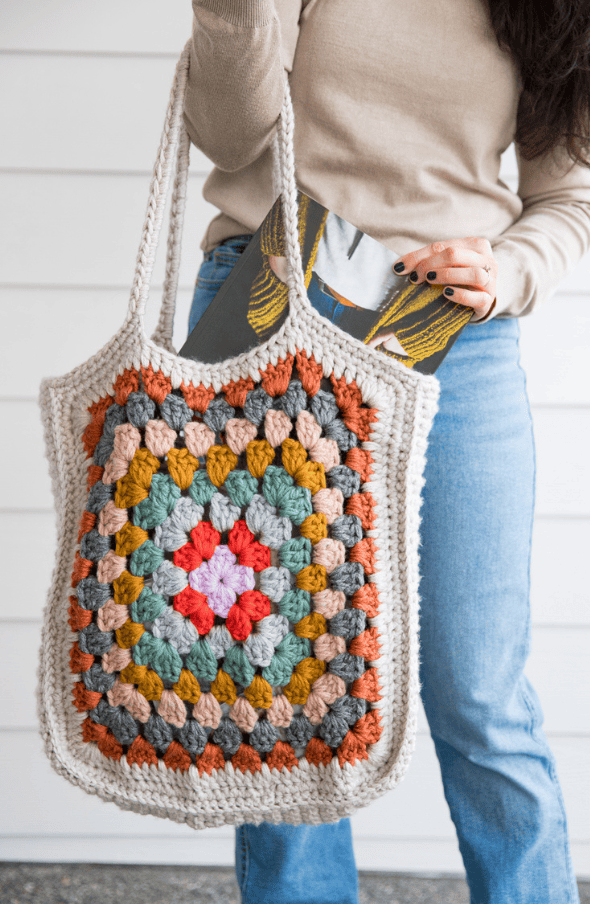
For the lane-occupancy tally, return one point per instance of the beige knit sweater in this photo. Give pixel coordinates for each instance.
(402, 111)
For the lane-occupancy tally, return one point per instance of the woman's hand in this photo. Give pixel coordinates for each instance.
(467, 265)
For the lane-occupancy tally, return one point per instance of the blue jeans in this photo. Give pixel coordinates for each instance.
(498, 772)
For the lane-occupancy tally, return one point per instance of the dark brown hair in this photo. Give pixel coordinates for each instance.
(550, 42)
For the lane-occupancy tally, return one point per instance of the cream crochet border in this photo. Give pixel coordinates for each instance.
(406, 403)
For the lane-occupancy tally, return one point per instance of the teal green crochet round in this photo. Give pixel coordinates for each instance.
(201, 661)
(146, 559)
(160, 503)
(201, 489)
(147, 606)
(295, 554)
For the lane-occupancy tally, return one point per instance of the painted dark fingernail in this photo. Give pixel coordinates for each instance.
(414, 275)
(449, 291)
(431, 274)
(399, 267)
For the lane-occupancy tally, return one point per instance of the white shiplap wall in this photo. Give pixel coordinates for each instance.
(85, 90)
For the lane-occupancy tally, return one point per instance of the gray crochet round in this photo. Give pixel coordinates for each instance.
(348, 529)
(347, 667)
(343, 478)
(293, 400)
(99, 495)
(276, 531)
(173, 626)
(97, 680)
(348, 577)
(175, 411)
(218, 414)
(350, 708)
(118, 719)
(94, 546)
(258, 513)
(348, 623)
(333, 729)
(323, 407)
(92, 595)
(104, 450)
(173, 532)
(168, 579)
(339, 432)
(123, 725)
(92, 640)
(264, 736)
(227, 735)
(259, 649)
(115, 415)
(158, 733)
(102, 712)
(220, 640)
(192, 736)
(300, 731)
(140, 409)
(256, 405)
(275, 627)
(275, 582)
(223, 514)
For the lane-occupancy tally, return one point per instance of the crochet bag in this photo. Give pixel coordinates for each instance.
(231, 632)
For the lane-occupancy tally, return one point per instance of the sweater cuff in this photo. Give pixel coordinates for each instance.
(510, 288)
(248, 13)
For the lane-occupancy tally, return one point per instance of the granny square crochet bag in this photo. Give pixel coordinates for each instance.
(231, 631)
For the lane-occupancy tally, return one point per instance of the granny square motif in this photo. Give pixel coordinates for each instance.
(222, 583)
(231, 631)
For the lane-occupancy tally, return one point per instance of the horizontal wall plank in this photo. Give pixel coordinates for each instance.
(562, 437)
(147, 26)
(555, 343)
(414, 812)
(79, 322)
(559, 589)
(563, 481)
(99, 225)
(555, 351)
(560, 592)
(120, 105)
(559, 669)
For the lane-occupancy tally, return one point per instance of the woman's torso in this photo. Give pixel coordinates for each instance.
(402, 112)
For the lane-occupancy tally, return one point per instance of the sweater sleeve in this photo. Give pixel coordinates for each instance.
(234, 91)
(549, 238)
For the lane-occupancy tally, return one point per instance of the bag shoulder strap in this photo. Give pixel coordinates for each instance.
(175, 146)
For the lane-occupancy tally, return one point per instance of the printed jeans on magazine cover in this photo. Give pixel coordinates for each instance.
(485, 719)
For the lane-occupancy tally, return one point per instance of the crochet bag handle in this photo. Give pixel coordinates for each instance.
(176, 143)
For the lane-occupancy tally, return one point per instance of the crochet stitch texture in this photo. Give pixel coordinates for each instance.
(231, 631)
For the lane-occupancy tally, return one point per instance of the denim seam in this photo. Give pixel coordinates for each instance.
(534, 724)
(245, 860)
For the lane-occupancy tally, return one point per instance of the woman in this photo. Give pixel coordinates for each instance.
(402, 112)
